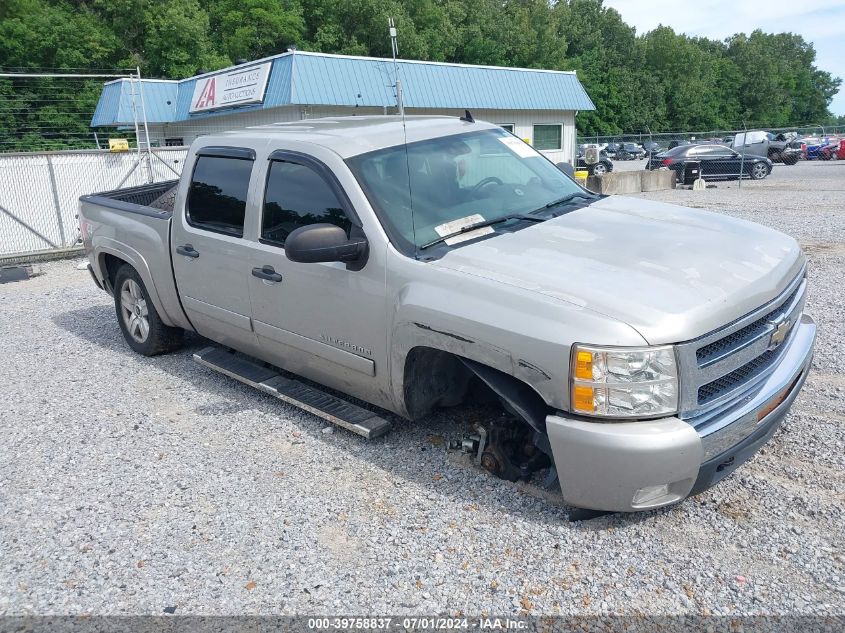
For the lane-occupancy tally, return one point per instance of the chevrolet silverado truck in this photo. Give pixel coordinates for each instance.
(639, 351)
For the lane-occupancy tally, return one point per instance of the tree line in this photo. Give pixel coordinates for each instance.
(660, 80)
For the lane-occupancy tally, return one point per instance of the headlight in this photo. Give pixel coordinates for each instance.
(623, 382)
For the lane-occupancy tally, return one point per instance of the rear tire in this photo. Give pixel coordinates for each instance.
(599, 169)
(139, 321)
(759, 171)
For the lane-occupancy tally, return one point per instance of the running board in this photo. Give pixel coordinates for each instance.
(336, 410)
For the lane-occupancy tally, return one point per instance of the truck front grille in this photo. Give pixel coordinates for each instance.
(728, 362)
(729, 382)
(729, 344)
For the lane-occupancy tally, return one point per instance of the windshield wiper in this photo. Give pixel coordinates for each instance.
(568, 198)
(481, 225)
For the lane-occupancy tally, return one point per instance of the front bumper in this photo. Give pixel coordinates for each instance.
(631, 466)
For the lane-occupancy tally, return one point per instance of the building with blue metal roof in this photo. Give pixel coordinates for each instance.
(537, 105)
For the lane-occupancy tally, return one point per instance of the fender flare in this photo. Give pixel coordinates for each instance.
(137, 261)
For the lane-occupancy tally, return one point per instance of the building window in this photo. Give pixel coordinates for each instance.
(217, 194)
(174, 142)
(547, 137)
(508, 127)
(298, 196)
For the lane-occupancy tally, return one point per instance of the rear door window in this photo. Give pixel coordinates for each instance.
(217, 194)
(297, 196)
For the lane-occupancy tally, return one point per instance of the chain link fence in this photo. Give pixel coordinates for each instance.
(50, 156)
(749, 153)
(39, 192)
(664, 139)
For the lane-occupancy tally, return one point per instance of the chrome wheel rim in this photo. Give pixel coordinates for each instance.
(599, 169)
(134, 309)
(760, 171)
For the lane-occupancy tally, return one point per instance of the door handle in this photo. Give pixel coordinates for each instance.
(267, 272)
(187, 250)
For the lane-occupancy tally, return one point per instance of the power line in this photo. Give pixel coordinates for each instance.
(68, 75)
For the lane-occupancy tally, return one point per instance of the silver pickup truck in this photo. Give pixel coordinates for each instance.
(640, 351)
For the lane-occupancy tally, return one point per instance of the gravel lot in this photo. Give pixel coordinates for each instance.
(133, 485)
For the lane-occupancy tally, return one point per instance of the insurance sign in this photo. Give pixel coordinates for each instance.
(241, 86)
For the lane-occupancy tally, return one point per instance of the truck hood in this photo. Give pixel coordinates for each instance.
(670, 272)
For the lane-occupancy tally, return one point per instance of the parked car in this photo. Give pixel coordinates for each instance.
(717, 162)
(603, 166)
(652, 149)
(630, 151)
(611, 149)
(831, 150)
(813, 145)
(779, 148)
(677, 143)
(391, 260)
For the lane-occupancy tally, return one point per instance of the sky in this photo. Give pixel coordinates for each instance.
(821, 22)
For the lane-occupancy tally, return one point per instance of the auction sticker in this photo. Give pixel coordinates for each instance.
(457, 225)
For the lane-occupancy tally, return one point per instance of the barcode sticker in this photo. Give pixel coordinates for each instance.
(518, 147)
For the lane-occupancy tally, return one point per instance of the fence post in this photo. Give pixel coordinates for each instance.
(56, 203)
(742, 156)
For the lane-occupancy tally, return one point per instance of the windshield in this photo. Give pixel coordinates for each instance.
(426, 189)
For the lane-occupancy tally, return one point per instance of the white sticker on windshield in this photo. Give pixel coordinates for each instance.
(518, 146)
(457, 225)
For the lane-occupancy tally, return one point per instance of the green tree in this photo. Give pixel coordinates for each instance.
(40, 34)
(779, 83)
(655, 81)
(165, 38)
(251, 29)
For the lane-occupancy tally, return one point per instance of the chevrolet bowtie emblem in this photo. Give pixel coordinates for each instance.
(779, 335)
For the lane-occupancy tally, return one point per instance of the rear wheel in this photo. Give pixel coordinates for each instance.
(139, 321)
(599, 169)
(759, 171)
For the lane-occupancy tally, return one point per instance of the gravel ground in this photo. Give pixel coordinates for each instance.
(134, 485)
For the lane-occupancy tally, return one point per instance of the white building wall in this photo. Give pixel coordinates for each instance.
(522, 120)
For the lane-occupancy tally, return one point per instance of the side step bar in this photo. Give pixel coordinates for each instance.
(336, 410)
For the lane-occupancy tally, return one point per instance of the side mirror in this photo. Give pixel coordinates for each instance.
(317, 243)
(567, 169)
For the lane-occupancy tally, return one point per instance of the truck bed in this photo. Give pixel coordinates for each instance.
(133, 225)
(156, 200)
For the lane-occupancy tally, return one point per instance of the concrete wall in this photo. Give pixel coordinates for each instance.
(622, 182)
(522, 120)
